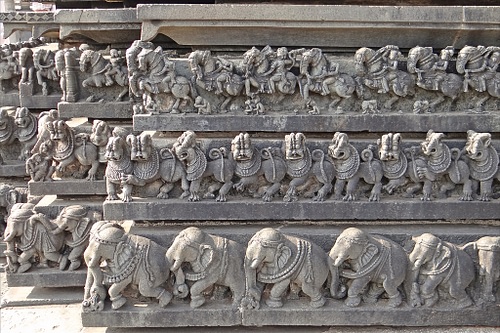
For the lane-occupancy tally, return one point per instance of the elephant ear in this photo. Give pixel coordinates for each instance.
(123, 253)
(283, 254)
(442, 256)
(205, 256)
(369, 252)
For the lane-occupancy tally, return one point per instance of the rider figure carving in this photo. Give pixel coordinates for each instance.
(279, 68)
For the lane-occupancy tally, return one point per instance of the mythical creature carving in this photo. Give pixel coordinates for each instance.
(101, 132)
(443, 161)
(252, 164)
(394, 162)
(319, 75)
(211, 260)
(7, 133)
(483, 162)
(68, 148)
(27, 66)
(479, 66)
(379, 70)
(29, 234)
(130, 259)
(435, 263)
(431, 73)
(45, 66)
(302, 165)
(487, 250)
(150, 164)
(367, 260)
(39, 165)
(9, 196)
(215, 74)
(102, 73)
(9, 68)
(350, 169)
(197, 167)
(155, 75)
(119, 164)
(268, 71)
(282, 260)
(26, 131)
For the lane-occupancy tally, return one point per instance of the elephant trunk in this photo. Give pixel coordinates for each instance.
(337, 290)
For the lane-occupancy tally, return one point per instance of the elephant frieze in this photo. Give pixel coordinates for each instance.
(283, 261)
(367, 260)
(129, 259)
(436, 263)
(206, 260)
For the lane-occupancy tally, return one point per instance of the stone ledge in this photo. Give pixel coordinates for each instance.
(68, 187)
(31, 296)
(321, 26)
(104, 111)
(13, 169)
(320, 123)
(51, 206)
(48, 277)
(334, 313)
(40, 102)
(256, 210)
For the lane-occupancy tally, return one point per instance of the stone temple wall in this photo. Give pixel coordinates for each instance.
(257, 164)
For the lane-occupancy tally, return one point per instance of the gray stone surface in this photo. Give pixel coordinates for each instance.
(13, 169)
(23, 296)
(306, 209)
(39, 102)
(321, 26)
(104, 111)
(72, 187)
(48, 277)
(450, 122)
(51, 206)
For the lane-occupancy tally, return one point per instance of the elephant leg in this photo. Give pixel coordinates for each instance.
(355, 290)
(115, 293)
(457, 291)
(395, 297)
(317, 299)
(277, 291)
(487, 290)
(159, 293)
(373, 293)
(197, 298)
(428, 289)
(24, 260)
(57, 257)
(75, 256)
(238, 291)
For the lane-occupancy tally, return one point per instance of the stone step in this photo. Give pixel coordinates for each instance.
(72, 187)
(305, 209)
(297, 312)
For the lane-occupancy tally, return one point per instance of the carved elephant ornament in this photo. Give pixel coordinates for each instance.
(206, 260)
(436, 263)
(367, 260)
(282, 260)
(130, 259)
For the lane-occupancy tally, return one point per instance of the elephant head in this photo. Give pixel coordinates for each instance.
(8, 197)
(429, 251)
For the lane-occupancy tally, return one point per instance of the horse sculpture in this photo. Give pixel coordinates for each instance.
(158, 76)
(431, 72)
(211, 73)
(378, 70)
(93, 62)
(321, 76)
(479, 65)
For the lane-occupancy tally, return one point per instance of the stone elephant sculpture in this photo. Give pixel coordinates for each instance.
(367, 260)
(283, 260)
(130, 259)
(436, 263)
(211, 260)
(30, 233)
(488, 256)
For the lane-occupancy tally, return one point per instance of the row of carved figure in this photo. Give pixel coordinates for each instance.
(150, 73)
(293, 168)
(360, 266)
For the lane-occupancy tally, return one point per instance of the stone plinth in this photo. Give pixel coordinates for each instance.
(13, 169)
(304, 209)
(445, 122)
(68, 187)
(344, 26)
(48, 277)
(51, 206)
(104, 111)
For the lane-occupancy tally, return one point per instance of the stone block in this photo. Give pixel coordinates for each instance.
(51, 206)
(327, 123)
(104, 111)
(32, 296)
(13, 169)
(48, 277)
(256, 210)
(74, 187)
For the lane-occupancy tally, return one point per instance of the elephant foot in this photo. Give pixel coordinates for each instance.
(318, 303)
(430, 300)
(274, 303)
(63, 263)
(197, 301)
(164, 298)
(464, 302)
(118, 302)
(395, 301)
(370, 299)
(74, 265)
(487, 298)
(353, 301)
(24, 267)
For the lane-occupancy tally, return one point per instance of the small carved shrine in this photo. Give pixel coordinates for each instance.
(335, 166)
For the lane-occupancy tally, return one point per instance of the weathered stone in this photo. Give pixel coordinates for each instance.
(48, 277)
(68, 188)
(51, 206)
(13, 169)
(108, 111)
